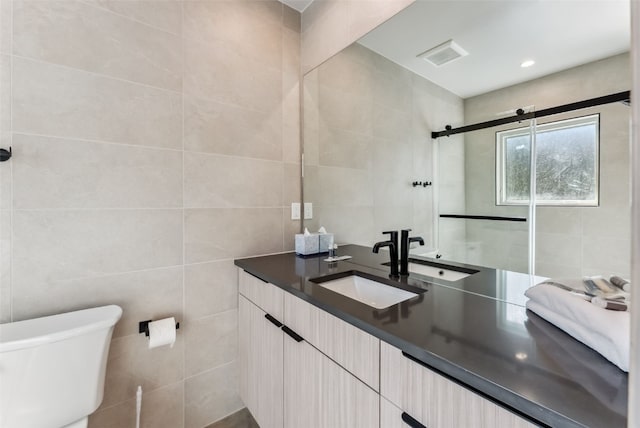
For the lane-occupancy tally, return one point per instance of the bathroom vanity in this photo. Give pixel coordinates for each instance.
(461, 353)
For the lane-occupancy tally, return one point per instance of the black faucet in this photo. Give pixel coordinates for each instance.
(392, 243)
(404, 250)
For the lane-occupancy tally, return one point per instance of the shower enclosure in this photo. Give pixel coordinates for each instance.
(545, 193)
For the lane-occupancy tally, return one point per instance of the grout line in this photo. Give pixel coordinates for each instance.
(140, 146)
(90, 140)
(133, 398)
(97, 74)
(131, 18)
(11, 185)
(210, 369)
(184, 251)
(129, 272)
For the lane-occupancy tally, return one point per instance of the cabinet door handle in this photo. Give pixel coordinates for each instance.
(273, 320)
(410, 421)
(256, 276)
(292, 333)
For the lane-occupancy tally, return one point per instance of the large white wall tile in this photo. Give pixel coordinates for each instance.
(210, 288)
(219, 71)
(252, 29)
(58, 245)
(161, 408)
(150, 294)
(5, 266)
(162, 14)
(79, 35)
(59, 101)
(223, 233)
(211, 342)
(211, 395)
(216, 127)
(213, 181)
(61, 173)
(6, 20)
(132, 363)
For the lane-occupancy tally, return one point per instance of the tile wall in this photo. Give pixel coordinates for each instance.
(366, 123)
(154, 141)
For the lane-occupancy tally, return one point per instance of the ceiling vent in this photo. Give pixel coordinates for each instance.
(444, 53)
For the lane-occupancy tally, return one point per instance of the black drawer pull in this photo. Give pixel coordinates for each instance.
(415, 360)
(273, 320)
(256, 276)
(410, 421)
(292, 333)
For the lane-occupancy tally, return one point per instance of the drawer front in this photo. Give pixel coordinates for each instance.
(390, 415)
(321, 394)
(352, 348)
(266, 296)
(435, 401)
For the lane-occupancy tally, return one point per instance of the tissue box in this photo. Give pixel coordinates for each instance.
(326, 242)
(307, 244)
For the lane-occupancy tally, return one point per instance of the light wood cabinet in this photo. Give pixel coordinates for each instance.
(433, 400)
(321, 394)
(303, 367)
(285, 382)
(355, 350)
(260, 355)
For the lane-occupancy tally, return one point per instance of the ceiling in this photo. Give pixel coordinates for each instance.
(499, 36)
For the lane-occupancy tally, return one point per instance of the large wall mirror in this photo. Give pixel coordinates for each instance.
(371, 164)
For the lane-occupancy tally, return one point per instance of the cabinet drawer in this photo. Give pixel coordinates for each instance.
(266, 296)
(318, 393)
(435, 401)
(352, 348)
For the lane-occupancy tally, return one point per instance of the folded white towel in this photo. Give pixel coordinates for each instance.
(605, 331)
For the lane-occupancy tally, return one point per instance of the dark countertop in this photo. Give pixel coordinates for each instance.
(475, 331)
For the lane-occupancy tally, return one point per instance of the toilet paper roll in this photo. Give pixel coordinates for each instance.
(162, 332)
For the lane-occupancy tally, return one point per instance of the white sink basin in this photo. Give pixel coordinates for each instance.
(372, 293)
(436, 272)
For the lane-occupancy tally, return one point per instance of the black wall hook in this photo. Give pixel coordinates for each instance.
(5, 154)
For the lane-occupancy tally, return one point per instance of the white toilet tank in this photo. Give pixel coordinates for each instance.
(52, 368)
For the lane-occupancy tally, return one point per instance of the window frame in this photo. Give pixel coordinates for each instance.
(500, 179)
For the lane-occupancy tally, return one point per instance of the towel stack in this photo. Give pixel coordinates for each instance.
(582, 309)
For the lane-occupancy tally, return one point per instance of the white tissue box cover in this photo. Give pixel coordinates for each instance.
(326, 242)
(307, 244)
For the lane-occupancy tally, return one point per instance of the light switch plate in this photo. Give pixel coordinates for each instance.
(295, 210)
(308, 210)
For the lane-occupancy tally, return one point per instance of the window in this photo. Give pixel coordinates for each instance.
(566, 163)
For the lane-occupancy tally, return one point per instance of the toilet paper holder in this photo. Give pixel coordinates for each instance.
(143, 327)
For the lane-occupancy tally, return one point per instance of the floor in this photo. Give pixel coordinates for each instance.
(240, 419)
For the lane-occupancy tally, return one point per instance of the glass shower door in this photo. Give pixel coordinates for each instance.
(482, 196)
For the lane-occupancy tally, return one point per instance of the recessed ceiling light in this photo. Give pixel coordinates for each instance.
(527, 63)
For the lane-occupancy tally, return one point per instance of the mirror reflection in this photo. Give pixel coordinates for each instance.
(371, 164)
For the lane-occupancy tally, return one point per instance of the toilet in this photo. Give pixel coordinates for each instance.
(52, 369)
